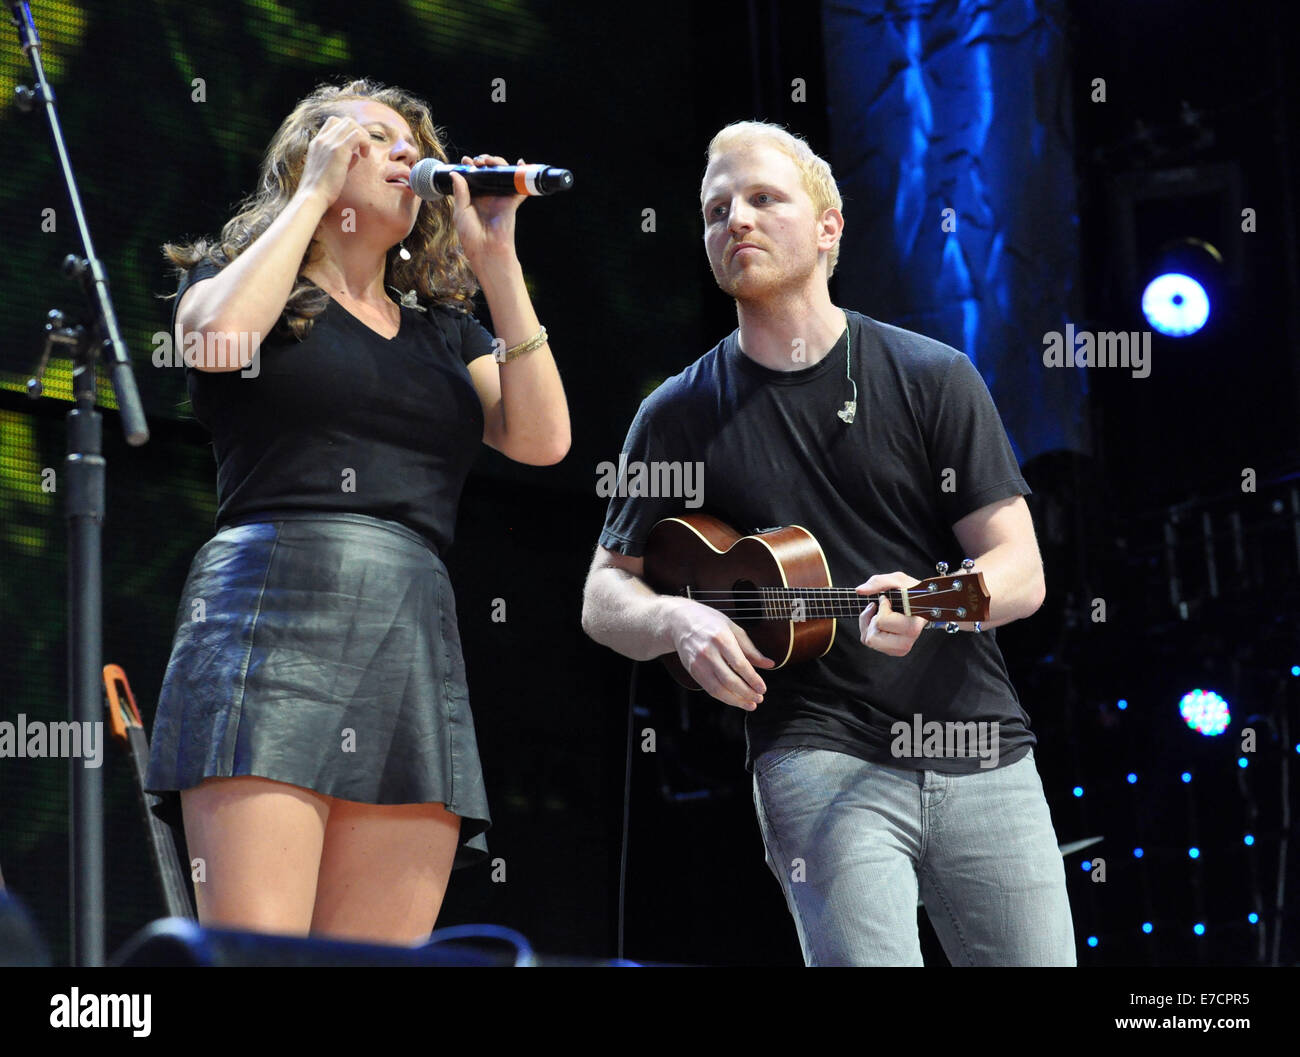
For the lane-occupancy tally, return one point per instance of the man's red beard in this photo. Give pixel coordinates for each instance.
(748, 285)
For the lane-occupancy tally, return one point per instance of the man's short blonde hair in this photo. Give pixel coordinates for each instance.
(814, 171)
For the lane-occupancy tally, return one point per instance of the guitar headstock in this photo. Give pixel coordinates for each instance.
(943, 599)
(123, 715)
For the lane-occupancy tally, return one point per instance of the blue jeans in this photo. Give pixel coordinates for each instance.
(851, 842)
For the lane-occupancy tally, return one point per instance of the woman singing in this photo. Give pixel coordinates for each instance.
(314, 726)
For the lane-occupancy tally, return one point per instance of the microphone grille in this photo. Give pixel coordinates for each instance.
(422, 178)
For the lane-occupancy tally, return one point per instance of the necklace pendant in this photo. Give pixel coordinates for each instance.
(850, 409)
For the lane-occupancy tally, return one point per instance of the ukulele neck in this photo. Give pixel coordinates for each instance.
(928, 600)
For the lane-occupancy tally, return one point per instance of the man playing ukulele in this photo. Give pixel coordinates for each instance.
(887, 446)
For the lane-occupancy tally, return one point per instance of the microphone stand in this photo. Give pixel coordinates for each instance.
(93, 333)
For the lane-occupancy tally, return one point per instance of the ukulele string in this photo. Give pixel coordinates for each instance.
(893, 594)
(928, 612)
(758, 590)
(765, 600)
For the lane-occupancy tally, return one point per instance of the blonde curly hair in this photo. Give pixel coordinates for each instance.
(438, 271)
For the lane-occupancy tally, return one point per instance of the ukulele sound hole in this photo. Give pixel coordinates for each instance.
(744, 603)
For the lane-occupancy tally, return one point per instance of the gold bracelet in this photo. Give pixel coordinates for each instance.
(535, 342)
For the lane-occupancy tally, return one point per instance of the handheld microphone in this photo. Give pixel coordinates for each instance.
(431, 179)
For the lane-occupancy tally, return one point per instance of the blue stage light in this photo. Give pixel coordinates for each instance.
(1138, 853)
(1146, 927)
(1175, 304)
(1122, 703)
(1132, 778)
(1242, 762)
(1199, 929)
(1186, 776)
(1253, 918)
(1092, 941)
(1205, 712)
(1249, 839)
(1193, 853)
(1295, 669)
(1086, 864)
(1078, 790)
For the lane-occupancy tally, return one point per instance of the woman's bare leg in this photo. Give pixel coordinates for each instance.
(384, 871)
(260, 845)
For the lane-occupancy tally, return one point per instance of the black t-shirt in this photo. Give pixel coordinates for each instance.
(927, 448)
(346, 420)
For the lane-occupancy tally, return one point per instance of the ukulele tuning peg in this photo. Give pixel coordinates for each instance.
(952, 628)
(978, 628)
(968, 564)
(942, 568)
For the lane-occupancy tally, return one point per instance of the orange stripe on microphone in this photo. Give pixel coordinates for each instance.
(521, 181)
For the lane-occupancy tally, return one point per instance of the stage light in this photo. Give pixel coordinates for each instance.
(1176, 300)
(1132, 778)
(1205, 712)
(1242, 762)
(1147, 927)
(1193, 853)
(1078, 790)
(1199, 929)
(1138, 853)
(1295, 669)
(1087, 865)
(1122, 703)
(1249, 839)
(1186, 776)
(1092, 941)
(1175, 304)
(1253, 918)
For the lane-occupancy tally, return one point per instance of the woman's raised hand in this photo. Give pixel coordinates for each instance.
(330, 156)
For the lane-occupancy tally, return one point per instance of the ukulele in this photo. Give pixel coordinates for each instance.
(778, 583)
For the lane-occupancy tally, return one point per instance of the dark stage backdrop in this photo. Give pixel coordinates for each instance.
(952, 132)
(167, 107)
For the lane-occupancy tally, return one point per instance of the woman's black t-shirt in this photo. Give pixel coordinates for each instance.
(346, 420)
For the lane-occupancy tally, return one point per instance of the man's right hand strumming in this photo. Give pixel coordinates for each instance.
(621, 611)
(718, 654)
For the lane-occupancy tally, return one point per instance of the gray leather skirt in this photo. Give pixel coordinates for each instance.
(321, 650)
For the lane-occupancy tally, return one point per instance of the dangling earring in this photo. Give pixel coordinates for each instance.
(403, 252)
